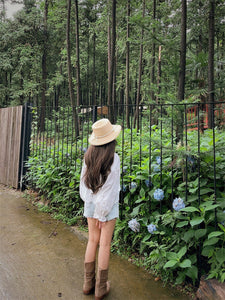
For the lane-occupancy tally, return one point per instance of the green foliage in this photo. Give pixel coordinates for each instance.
(58, 183)
(22, 47)
(188, 242)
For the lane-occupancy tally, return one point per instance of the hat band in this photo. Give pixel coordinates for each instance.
(102, 136)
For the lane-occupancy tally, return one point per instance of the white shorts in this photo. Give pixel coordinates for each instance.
(89, 209)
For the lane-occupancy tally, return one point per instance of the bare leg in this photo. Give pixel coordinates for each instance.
(105, 244)
(93, 240)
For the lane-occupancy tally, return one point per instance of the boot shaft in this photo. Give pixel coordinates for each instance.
(89, 278)
(102, 285)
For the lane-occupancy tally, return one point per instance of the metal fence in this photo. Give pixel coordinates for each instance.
(166, 146)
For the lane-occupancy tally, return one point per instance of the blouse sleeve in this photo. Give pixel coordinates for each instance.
(85, 193)
(108, 195)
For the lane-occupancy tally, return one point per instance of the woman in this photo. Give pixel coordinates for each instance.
(99, 189)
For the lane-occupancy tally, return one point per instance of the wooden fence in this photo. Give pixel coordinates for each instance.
(12, 144)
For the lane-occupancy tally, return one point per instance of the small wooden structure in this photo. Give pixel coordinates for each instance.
(102, 110)
(194, 111)
(14, 144)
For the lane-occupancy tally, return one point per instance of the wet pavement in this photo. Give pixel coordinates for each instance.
(42, 259)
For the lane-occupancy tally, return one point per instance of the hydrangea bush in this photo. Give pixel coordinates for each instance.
(184, 225)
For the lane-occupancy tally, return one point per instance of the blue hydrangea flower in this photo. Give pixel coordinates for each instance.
(124, 188)
(133, 185)
(191, 160)
(158, 160)
(151, 228)
(178, 204)
(156, 168)
(148, 183)
(134, 225)
(83, 149)
(158, 194)
(125, 169)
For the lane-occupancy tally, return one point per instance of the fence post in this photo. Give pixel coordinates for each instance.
(94, 116)
(25, 143)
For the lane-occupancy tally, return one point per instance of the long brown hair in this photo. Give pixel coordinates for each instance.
(98, 160)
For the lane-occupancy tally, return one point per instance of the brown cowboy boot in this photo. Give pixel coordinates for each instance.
(102, 285)
(89, 278)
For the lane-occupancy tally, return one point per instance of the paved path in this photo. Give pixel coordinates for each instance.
(38, 265)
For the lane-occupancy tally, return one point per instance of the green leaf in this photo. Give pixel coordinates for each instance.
(147, 236)
(210, 207)
(182, 224)
(200, 233)
(221, 227)
(71, 183)
(193, 191)
(205, 191)
(192, 198)
(142, 193)
(220, 255)
(207, 251)
(214, 234)
(135, 211)
(185, 263)
(189, 209)
(212, 241)
(182, 252)
(180, 278)
(188, 235)
(171, 256)
(170, 264)
(196, 221)
(139, 200)
(192, 272)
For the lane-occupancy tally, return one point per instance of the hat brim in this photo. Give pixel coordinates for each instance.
(97, 141)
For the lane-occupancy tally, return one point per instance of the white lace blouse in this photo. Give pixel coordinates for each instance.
(108, 194)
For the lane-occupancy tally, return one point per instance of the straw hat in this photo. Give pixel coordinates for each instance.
(103, 132)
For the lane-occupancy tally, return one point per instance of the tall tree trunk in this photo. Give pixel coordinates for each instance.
(77, 54)
(111, 64)
(94, 72)
(201, 86)
(136, 118)
(109, 59)
(44, 69)
(87, 100)
(211, 62)
(153, 54)
(158, 99)
(69, 69)
(128, 65)
(181, 85)
(114, 102)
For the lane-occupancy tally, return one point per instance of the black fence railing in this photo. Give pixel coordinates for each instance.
(170, 150)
